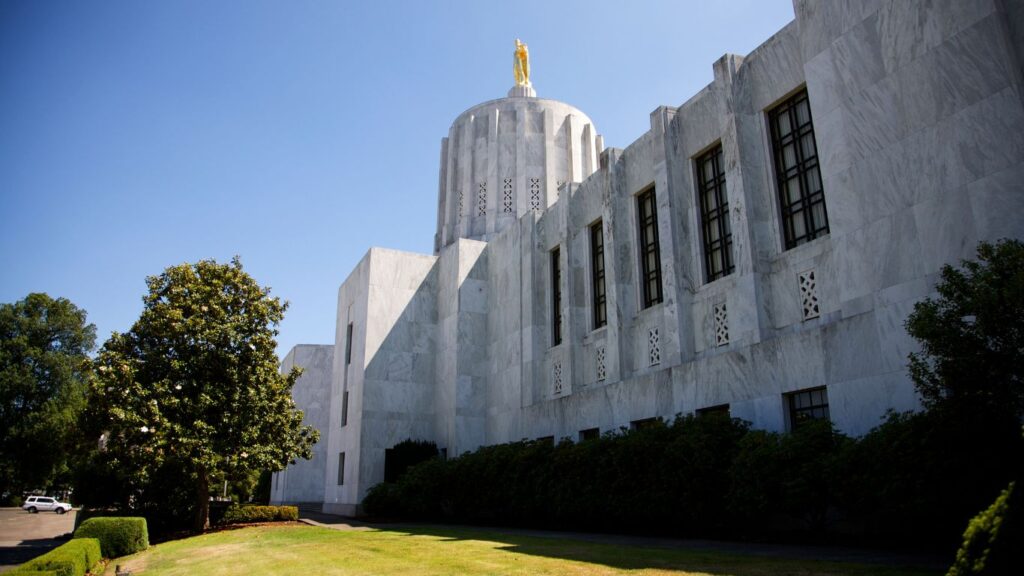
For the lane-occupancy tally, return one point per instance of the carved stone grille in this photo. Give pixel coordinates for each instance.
(535, 194)
(809, 295)
(461, 195)
(602, 373)
(481, 199)
(654, 346)
(721, 325)
(507, 196)
(556, 376)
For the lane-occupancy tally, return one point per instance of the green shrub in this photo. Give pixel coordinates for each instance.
(246, 514)
(118, 536)
(406, 454)
(73, 558)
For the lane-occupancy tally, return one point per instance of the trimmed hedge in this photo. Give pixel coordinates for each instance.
(73, 558)
(246, 514)
(916, 479)
(118, 535)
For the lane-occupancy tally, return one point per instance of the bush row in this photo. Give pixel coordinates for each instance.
(118, 536)
(245, 514)
(73, 558)
(917, 478)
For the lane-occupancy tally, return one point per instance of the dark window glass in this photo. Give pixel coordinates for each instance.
(650, 258)
(645, 423)
(807, 405)
(590, 434)
(720, 410)
(714, 215)
(348, 345)
(797, 175)
(341, 468)
(597, 274)
(344, 408)
(556, 298)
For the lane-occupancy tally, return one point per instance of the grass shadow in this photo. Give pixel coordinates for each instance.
(708, 557)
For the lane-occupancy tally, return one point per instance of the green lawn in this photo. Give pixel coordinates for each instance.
(308, 550)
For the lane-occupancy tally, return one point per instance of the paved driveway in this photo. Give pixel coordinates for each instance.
(24, 536)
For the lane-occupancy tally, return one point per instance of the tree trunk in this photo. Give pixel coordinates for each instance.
(202, 519)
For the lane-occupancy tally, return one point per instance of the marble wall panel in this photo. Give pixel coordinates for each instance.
(997, 204)
(909, 30)
(961, 71)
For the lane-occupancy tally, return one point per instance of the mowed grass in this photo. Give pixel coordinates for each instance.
(308, 550)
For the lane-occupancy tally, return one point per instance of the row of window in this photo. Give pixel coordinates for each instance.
(801, 406)
(801, 201)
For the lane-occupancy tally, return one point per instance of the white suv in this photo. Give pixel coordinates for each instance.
(36, 503)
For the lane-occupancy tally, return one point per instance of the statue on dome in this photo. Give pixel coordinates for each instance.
(521, 64)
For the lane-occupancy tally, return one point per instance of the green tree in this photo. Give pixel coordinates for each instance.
(972, 335)
(43, 365)
(195, 383)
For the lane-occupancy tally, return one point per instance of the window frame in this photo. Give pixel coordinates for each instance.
(714, 218)
(556, 295)
(649, 248)
(797, 415)
(598, 287)
(807, 202)
(344, 408)
(348, 344)
(341, 468)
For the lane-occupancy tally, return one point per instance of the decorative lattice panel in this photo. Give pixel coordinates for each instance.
(535, 194)
(506, 196)
(556, 376)
(654, 346)
(461, 203)
(721, 325)
(602, 372)
(809, 295)
(481, 199)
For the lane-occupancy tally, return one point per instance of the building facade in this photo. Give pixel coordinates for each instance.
(757, 251)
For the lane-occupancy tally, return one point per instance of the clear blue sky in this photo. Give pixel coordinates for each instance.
(135, 135)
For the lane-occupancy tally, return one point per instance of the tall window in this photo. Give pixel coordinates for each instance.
(796, 171)
(341, 468)
(556, 298)
(348, 345)
(807, 405)
(650, 258)
(714, 215)
(344, 408)
(597, 274)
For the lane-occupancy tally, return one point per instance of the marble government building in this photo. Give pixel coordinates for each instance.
(755, 252)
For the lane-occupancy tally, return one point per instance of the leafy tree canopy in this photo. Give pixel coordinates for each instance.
(972, 335)
(195, 381)
(43, 362)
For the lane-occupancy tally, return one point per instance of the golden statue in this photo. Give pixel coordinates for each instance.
(521, 64)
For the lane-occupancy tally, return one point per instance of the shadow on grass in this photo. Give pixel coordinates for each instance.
(711, 557)
(26, 550)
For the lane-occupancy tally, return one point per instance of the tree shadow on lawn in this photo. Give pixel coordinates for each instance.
(29, 549)
(711, 557)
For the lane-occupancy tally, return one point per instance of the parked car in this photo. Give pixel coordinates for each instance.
(36, 503)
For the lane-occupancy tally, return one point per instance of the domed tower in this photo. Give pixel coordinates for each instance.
(507, 157)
